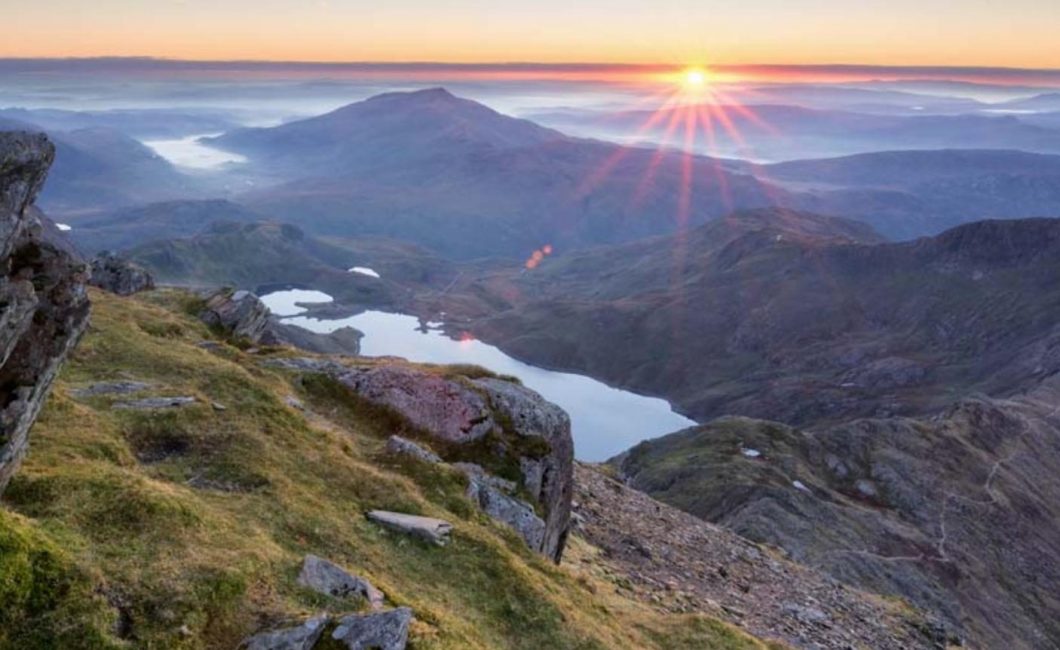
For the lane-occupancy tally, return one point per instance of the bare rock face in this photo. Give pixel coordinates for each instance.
(118, 275)
(445, 408)
(43, 304)
(239, 314)
(547, 477)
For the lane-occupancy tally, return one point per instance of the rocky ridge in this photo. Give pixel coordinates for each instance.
(955, 513)
(42, 292)
(684, 564)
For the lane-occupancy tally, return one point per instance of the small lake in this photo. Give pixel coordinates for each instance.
(605, 421)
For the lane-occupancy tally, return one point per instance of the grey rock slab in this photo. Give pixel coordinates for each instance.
(435, 531)
(303, 637)
(149, 403)
(387, 630)
(109, 388)
(328, 578)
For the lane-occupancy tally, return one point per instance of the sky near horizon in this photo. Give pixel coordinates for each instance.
(1017, 33)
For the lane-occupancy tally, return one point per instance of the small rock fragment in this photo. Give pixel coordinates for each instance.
(405, 447)
(148, 403)
(109, 388)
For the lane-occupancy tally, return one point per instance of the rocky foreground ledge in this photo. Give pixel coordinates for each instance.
(44, 308)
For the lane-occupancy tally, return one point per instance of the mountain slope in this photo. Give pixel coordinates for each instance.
(185, 527)
(751, 315)
(956, 513)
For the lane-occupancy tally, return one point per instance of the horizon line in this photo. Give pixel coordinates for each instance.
(515, 64)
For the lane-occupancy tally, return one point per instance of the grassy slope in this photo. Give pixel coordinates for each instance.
(105, 543)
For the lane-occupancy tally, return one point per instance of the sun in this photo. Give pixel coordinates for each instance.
(694, 78)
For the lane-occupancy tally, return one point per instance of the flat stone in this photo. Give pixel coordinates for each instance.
(330, 579)
(305, 364)
(428, 529)
(149, 403)
(303, 637)
(404, 447)
(109, 388)
(381, 630)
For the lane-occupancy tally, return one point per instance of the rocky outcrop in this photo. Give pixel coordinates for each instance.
(499, 422)
(43, 304)
(238, 314)
(345, 340)
(118, 275)
(429, 529)
(330, 579)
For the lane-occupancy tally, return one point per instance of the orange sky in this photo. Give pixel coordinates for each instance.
(1016, 33)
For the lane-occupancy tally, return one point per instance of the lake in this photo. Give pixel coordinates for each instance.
(605, 421)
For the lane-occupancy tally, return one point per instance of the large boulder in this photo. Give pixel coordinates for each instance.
(239, 314)
(43, 303)
(118, 275)
(330, 579)
(526, 431)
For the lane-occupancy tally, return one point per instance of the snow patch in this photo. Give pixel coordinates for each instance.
(750, 453)
(63, 227)
(364, 270)
(799, 485)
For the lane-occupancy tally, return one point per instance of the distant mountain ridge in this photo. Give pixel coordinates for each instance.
(766, 317)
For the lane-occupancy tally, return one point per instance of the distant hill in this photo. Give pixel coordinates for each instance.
(270, 253)
(99, 169)
(129, 227)
(907, 194)
(788, 316)
(758, 130)
(465, 181)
